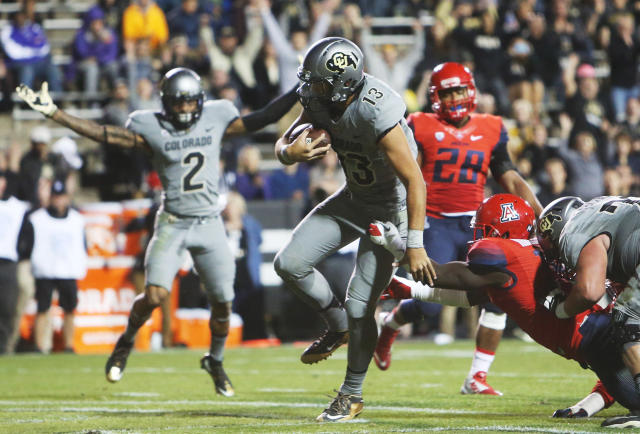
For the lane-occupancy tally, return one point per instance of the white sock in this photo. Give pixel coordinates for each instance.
(482, 360)
(390, 321)
(592, 404)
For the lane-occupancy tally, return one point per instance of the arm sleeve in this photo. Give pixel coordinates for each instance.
(271, 112)
(500, 159)
(25, 238)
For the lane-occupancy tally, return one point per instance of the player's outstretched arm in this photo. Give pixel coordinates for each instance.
(513, 183)
(268, 114)
(41, 102)
(395, 146)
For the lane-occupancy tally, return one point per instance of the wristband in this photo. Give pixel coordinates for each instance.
(560, 312)
(282, 156)
(414, 239)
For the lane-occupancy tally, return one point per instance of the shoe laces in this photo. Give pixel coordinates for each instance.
(341, 403)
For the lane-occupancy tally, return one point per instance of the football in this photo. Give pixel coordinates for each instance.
(314, 133)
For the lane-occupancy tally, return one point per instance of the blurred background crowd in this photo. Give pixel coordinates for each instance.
(563, 74)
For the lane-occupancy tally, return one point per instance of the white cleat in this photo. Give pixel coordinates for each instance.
(114, 375)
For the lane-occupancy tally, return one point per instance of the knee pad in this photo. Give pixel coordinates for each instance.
(491, 320)
(356, 309)
(289, 267)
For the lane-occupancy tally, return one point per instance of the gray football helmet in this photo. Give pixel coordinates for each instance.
(551, 222)
(332, 70)
(181, 84)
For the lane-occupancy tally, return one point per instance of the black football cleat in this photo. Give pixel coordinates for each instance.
(324, 346)
(114, 369)
(220, 380)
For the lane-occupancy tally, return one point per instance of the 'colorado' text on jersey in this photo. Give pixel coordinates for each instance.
(375, 110)
(187, 160)
(455, 161)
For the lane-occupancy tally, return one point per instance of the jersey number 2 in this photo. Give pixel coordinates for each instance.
(195, 160)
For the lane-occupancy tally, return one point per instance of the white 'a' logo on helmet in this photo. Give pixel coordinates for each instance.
(509, 213)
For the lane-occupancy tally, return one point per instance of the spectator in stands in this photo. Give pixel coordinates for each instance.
(522, 75)
(521, 130)
(569, 32)
(536, 150)
(288, 182)
(546, 55)
(140, 66)
(145, 97)
(177, 54)
(117, 110)
(389, 65)
(265, 69)
(632, 121)
(95, 51)
(185, 20)
(35, 164)
(588, 107)
(227, 54)
(6, 87)
(250, 182)
(143, 19)
(58, 259)
(585, 170)
(613, 183)
(27, 50)
(555, 185)
(291, 49)
(624, 54)
(12, 212)
(489, 56)
(245, 236)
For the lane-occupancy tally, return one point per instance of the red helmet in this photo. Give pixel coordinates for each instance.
(504, 216)
(446, 76)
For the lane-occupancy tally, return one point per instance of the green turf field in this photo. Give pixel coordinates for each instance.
(167, 392)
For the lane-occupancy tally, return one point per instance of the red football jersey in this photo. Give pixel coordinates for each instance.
(455, 161)
(530, 280)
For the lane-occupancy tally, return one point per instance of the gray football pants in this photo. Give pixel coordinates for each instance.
(319, 235)
(205, 239)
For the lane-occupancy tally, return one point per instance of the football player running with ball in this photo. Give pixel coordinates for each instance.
(456, 149)
(365, 120)
(184, 143)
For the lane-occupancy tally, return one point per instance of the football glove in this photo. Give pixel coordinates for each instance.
(553, 299)
(39, 101)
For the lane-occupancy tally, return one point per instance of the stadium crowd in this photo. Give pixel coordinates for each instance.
(562, 73)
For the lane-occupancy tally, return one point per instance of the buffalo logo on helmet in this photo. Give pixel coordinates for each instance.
(546, 224)
(340, 61)
(509, 214)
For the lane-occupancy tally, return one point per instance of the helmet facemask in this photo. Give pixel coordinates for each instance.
(457, 108)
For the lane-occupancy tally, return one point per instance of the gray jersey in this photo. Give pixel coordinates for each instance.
(615, 216)
(375, 110)
(187, 160)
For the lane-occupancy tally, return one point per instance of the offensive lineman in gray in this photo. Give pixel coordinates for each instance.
(184, 142)
(599, 240)
(365, 119)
